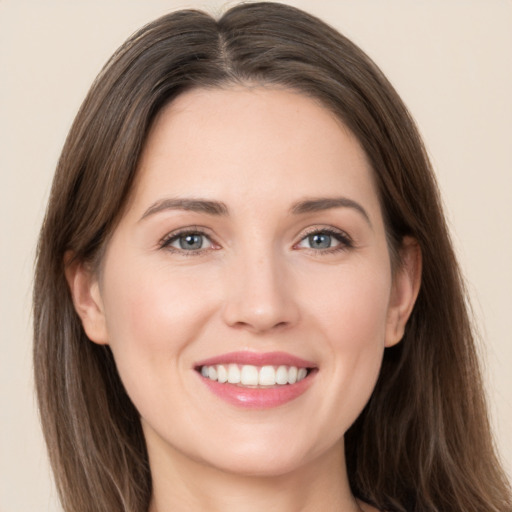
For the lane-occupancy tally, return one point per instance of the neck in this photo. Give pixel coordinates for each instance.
(183, 484)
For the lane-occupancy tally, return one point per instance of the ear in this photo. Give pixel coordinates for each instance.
(406, 285)
(85, 292)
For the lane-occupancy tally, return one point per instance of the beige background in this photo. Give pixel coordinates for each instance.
(451, 62)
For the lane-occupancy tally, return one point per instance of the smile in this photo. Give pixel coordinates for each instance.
(250, 375)
(257, 380)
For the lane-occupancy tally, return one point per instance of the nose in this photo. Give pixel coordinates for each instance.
(260, 294)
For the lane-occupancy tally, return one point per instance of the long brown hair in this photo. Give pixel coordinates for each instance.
(423, 441)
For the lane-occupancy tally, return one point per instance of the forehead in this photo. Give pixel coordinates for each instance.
(250, 142)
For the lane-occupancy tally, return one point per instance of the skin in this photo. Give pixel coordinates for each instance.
(258, 285)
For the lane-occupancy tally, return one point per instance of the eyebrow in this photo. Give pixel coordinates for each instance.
(327, 203)
(193, 205)
(219, 208)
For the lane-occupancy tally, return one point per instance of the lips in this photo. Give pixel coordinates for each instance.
(257, 380)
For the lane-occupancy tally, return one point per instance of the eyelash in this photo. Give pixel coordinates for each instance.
(166, 242)
(345, 242)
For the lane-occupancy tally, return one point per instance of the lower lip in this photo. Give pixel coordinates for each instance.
(258, 398)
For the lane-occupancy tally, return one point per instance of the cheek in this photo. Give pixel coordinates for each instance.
(352, 305)
(152, 316)
(154, 307)
(352, 317)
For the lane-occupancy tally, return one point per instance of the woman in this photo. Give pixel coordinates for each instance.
(245, 294)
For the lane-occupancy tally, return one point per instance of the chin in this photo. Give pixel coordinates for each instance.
(261, 465)
(267, 458)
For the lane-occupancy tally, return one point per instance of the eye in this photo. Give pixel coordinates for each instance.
(325, 240)
(187, 241)
(321, 241)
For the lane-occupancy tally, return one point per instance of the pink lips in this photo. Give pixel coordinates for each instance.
(258, 359)
(258, 397)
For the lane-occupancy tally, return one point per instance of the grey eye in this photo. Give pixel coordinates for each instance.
(320, 241)
(325, 239)
(188, 242)
(191, 241)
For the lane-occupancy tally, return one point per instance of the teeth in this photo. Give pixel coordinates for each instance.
(282, 375)
(267, 376)
(249, 375)
(301, 373)
(222, 373)
(233, 374)
(212, 373)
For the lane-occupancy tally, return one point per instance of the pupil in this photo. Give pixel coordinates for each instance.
(191, 242)
(320, 241)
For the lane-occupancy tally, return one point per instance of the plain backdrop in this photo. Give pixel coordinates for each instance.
(450, 60)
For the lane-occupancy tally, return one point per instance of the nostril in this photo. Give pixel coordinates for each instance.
(258, 296)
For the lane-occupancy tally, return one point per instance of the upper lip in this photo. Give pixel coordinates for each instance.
(257, 359)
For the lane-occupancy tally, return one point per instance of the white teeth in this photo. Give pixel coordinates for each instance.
(212, 373)
(292, 375)
(282, 375)
(267, 376)
(301, 373)
(222, 373)
(233, 374)
(249, 375)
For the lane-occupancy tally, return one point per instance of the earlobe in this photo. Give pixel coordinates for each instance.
(406, 286)
(85, 292)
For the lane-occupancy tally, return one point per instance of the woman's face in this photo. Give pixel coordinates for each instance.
(253, 248)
